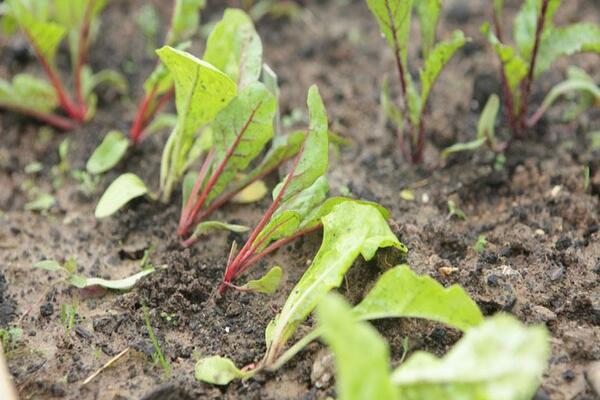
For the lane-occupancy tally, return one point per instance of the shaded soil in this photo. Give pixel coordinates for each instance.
(541, 263)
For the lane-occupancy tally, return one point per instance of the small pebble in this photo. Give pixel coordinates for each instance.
(542, 314)
(46, 310)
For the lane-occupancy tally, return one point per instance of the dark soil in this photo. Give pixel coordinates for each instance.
(542, 261)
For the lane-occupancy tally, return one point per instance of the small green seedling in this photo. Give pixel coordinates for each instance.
(10, 338)
(538, 45)
(158, 88)
(455, 211)
(68, 314)
(46, 23)
(69, 271)
(485, 364)
(394, 18)
(480, 244)
(158, 355)
(485, 131)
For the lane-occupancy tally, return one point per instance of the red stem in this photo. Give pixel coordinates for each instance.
(508, 98)
(274, 246)
(539, 29)
(189, 219)
(231, 270)
(402, 76)
(82, 50)
(56, 121)
(146, 111)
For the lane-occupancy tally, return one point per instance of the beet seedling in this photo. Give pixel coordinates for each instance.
(158, 88)
(538, 43)
(46, 23)
(394, 19)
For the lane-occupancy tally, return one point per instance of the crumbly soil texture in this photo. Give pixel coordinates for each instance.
(538, 214)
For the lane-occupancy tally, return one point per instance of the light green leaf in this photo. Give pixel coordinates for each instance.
(350, 230)
(201, 91)
(26, 91)
(487, 120)
(314, 217)
(282, 148)
(160, 122)
(467, 146)
(184, 21)
(393, 17)
(240, 132)
(314, 158)
(400, 292)
(116, 284)
(235, 48)
(515, 67)
(123, 189)
(45, 36)
(206, 227)
(565, 41)
(42, 202)
(500, 359)
(435, 62)
(219, 371)
(107, 77)
(525, 24)
(48, 265)
(267, 284)
(428, 12)
(362, 357)
(108, 153)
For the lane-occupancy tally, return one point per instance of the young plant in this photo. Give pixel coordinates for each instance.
(394, 21)
(295, 199)
(538, 43)
(487, 363)
(69, 271)
(485, 131)
(46, 23)
(158, 88)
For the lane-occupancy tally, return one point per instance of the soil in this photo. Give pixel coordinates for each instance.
(542, 225)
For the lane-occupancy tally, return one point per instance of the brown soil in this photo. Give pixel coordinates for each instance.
(542, 261)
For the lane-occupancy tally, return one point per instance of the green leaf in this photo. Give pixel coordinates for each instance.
(123, 189)
(282, 148)
(235, 48)
(467, 146)
(362, 357)
(108, 153)
(500, 359)
(525, 24)
(350, 230)
(45, 36)
(428, 12)
(267, 284)
(201, 91)
(219, 371)
(26, 91)
(565, 41)
(393, 17)
(42, 202)
(487, 120)
(206, 227)
(240, 132)
(401, 293)
(515, 67)
(48, 265)
(116, 284)
(185, 20)
(314, 158)
(160, 122)
(435, 62)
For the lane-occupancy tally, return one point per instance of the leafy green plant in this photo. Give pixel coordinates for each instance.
(69, 271)
(158, 88)
(46, 23)
(498, 359)
(398, 293)
(68, 314)
(295, 209)
(394, 18)
(538, 43)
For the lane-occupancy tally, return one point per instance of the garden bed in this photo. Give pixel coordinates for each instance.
(542, 226)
